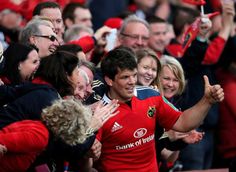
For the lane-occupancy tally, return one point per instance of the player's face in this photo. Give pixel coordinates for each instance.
(122, 87)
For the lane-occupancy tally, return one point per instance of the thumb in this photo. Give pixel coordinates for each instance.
(206, 81)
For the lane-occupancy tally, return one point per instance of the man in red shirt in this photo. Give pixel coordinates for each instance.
(128, 138)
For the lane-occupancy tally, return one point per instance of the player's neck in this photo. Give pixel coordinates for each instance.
(115, 96)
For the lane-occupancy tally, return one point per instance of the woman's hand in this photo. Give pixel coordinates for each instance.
(189, 137)
(175, 135)
(193, 137)
(102, 113)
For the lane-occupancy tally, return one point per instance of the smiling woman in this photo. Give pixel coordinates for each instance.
(20, 63)
(149, 67)
(171, 77)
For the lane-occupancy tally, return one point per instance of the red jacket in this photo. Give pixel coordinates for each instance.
(24, 140)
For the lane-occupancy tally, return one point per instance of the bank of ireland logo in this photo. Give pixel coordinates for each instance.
(140, 133)
(151, 111)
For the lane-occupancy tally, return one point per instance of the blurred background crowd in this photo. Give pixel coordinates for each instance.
(199, 34)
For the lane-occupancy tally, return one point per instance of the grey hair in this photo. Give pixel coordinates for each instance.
(69, 120)
(133, 19)
(84, 75)
(89, 65)
(73, 32)
(32, 28)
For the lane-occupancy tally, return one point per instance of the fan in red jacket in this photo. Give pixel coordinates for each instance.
(15, 148)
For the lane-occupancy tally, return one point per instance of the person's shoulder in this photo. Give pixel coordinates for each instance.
(40, 91)
(32, 87)
(144, 92)
(46, 91)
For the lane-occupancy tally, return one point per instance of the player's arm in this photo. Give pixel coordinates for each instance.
(192, 117)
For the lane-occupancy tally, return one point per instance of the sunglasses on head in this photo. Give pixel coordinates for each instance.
(50, 37)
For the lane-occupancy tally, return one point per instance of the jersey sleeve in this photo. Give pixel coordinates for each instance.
(167, 114)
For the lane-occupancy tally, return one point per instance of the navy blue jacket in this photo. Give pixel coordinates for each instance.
(24, 101)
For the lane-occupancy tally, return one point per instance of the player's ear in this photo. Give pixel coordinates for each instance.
(108, 80)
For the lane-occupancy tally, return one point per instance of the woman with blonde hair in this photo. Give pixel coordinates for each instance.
(72, 121)
(172, 83)
(171, 77)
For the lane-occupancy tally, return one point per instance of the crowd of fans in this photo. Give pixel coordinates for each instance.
(117, 85)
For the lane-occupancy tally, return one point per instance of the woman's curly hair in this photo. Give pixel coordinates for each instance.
(69, 120)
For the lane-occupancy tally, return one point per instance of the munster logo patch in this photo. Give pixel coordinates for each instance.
(151, 111)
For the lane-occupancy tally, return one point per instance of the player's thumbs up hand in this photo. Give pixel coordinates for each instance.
(213, 93)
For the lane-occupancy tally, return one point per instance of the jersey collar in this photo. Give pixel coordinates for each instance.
(106, 99)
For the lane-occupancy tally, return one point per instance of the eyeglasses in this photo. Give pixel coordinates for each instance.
(50, 37)
(136, 37)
